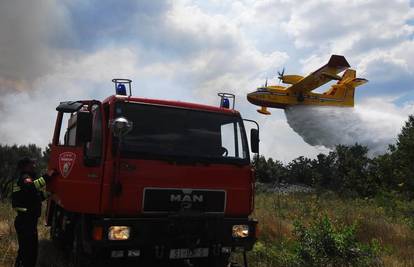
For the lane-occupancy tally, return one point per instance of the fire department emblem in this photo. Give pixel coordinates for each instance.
(66, 162)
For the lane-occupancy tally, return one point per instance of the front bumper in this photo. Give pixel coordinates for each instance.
(155, 237)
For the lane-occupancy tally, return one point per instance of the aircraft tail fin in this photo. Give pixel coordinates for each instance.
(348, 75)
(345, 87)
(357, 82)
(349, 78)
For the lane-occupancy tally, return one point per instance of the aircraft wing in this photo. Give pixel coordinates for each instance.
(321, 76)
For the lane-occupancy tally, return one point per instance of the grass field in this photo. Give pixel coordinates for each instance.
(388, 220)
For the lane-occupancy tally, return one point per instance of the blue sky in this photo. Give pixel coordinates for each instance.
(190, 50)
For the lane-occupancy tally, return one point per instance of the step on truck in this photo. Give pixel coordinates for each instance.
(146, 180)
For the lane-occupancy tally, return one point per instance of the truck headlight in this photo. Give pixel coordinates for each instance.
(119, 232)
(240, 231)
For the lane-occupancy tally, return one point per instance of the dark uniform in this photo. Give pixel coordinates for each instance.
(28, 194)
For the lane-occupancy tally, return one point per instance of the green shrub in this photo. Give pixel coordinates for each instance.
(326, 243)
(272, 254)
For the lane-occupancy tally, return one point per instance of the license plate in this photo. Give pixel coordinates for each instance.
(185, 253)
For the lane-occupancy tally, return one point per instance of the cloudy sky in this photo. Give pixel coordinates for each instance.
(52, 51)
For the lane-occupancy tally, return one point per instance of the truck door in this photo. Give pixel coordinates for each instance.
(77, 152)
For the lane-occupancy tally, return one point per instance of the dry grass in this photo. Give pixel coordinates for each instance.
(48, 255)
(8, 244)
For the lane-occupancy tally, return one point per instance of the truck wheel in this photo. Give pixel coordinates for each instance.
(78, 255)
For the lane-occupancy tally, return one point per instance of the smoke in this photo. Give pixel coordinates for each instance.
(375, 124)
(28, 30)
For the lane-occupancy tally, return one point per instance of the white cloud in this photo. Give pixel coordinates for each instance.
(327, 24)
(225, 59)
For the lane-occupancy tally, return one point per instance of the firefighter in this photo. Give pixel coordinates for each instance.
(28, 194)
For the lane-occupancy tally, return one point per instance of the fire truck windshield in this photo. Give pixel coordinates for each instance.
(177, 133)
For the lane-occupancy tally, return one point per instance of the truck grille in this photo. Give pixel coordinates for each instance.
(166, 200)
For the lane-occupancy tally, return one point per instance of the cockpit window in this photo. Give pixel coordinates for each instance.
(262, 89)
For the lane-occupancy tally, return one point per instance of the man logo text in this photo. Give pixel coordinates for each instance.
(186, 198)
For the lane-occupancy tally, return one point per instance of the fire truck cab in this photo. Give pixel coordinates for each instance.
(149, 180)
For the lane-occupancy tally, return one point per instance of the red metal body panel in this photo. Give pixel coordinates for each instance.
(139, 174)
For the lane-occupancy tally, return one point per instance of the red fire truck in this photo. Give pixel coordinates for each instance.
(152, 180)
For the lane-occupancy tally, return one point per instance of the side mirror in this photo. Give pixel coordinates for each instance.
(254, 140)
(121, 127)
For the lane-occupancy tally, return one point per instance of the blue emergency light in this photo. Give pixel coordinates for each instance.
(121, 89)
(120, 86)
(225, 100)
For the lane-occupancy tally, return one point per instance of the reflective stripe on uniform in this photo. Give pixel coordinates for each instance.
(39, 183)
(20, 209)
(42, 181)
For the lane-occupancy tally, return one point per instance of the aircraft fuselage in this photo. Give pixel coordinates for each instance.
(282, 98)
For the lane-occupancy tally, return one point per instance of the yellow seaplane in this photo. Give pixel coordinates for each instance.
(300, 90)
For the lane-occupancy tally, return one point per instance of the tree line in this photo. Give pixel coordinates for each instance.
(348, 169)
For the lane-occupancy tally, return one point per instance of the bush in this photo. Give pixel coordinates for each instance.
(271, 254)
(324, 244)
